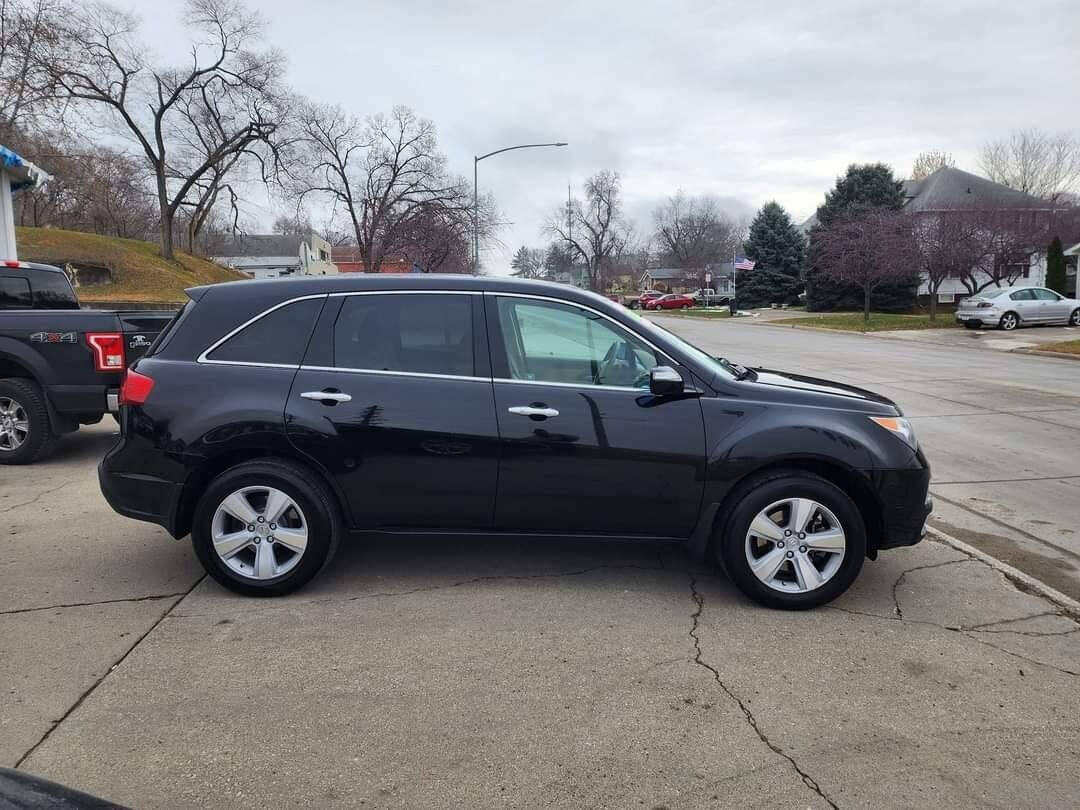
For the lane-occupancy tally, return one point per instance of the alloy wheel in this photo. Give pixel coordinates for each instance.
(1009, 321)
(1074, 319)
(795, 545)
(14, 425)
(259, 532)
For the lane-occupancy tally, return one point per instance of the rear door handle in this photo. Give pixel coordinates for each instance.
(529, 410)
(322, 396)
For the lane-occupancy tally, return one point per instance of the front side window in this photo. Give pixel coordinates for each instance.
(419, 334)
(14, 293)
(278, 338)
(1047, 295)
(560, 343)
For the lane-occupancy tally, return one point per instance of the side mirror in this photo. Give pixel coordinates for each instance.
(664, 381)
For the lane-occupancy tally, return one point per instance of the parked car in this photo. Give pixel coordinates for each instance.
(275, 418)
(671, 301)
(707, 297)
(60, 366)
(644, 298)
(1010, 307)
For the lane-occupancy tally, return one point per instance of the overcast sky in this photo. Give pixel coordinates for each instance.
(747, 101)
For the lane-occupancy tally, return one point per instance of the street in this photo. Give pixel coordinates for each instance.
(439, 672)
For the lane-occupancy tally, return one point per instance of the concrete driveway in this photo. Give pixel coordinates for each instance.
(485, 673)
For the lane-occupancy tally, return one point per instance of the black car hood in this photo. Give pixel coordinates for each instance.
(815, 385)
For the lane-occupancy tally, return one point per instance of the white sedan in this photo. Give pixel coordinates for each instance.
(1010, 307)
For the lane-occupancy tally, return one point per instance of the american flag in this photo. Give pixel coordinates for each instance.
(743, 263)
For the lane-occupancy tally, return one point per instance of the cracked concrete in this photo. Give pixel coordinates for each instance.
(487, 672)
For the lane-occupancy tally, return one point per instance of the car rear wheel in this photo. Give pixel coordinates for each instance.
(686, 306)
(793, 540)
(635, 304)
(1074, 319)
(265, 528)
(1009, 321)
(25, 433)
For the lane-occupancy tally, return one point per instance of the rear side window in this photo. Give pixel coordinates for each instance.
(1022, 295)
(52, 290)
(422, 334)
(279, 338)
(14, 293)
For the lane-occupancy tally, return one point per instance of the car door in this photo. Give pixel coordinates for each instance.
(1024, 304)
(585, 446)
(394, 399)
(1053, 307)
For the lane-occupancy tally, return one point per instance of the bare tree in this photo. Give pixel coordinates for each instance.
(28, 32)
(693, 231)
(929, 162)
(107, 69)
(438, 239)
(1036, 162)
(868, 248)
(384, 174)
(594, 230)
(528, 263)
(951, 244)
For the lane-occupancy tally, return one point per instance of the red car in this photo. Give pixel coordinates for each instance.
(670, 301)
(644, 298)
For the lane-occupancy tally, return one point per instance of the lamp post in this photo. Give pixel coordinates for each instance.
(476, 190)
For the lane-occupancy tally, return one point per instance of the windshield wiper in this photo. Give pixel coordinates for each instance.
(740, 372)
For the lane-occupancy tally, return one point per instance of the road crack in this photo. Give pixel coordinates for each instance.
(92, 604)
(751, 721)
(896, 599)
(36, 498)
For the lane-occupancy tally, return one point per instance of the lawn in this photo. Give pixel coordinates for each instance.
(138, 271)
(716, 312)
(879, 321)
(1065, 347)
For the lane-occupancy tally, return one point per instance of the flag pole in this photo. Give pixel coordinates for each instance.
(733, 275)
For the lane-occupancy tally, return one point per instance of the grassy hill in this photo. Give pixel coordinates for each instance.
(138, 271)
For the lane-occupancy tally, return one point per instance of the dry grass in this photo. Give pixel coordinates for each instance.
(1065, 347)
(139, 273)
(879, 321)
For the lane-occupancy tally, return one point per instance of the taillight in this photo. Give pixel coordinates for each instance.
(108, 348)
(135, 388)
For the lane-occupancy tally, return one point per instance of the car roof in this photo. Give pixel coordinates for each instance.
(31, 266)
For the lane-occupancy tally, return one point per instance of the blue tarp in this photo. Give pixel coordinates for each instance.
(25, 173)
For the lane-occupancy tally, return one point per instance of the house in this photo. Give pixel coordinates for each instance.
(274, 255)
(722, 278)
(950, 190)
(671, 279)
(575, 277)
(1072, 260)
(348, 260)
(16, 174)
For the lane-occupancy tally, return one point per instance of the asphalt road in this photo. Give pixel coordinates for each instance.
(484, 673)
(1001, 430)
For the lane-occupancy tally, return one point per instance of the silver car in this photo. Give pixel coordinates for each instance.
(1010, 307)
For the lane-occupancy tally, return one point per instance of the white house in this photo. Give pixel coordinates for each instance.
(16, 173)
(275, 255)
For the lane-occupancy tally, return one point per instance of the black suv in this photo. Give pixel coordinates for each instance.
(273, 418)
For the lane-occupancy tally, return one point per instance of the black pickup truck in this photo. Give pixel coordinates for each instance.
(60, 366)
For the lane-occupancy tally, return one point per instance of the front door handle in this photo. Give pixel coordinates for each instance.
(533, 411)
(327, 396)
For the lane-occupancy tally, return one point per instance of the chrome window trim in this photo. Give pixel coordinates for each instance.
(425, 374)
(584, 386)
(604, 315)
(202, 358)
(404, 292)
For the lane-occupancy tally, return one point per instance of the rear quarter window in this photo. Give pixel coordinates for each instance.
(14, 293)
(279, 337)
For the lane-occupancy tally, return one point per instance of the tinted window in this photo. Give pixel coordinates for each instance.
(1022, 295)
(422, 334)
(14, 293)
(1046, 295)
(280, 337)
(52, 290)
(551, 342)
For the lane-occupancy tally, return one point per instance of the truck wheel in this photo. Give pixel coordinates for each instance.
(264, 528)
(793, 540)
(25, 433)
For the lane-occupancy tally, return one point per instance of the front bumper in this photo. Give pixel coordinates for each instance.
(906, 504)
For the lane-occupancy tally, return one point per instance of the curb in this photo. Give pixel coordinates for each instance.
(1041, 353)
(1024, 582)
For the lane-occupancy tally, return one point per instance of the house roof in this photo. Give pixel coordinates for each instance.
(261, 245)
(666, 273)
(952, 189)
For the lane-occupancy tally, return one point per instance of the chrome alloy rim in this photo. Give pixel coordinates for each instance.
(795, 545)
(259, 532)
(1009, 321)
(14, 425)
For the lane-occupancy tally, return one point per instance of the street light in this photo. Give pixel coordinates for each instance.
(476, 190)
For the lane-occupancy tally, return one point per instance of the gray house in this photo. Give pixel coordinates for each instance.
(274, 255)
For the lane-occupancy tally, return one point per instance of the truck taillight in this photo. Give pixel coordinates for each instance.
(135, 388)
(108, 348)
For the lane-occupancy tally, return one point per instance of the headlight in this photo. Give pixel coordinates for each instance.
(900, 427)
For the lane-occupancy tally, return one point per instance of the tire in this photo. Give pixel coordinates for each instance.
(735, 544)
(1009, 321)
(28, 436)
(1074, 319)
(634, 305)
(686, 306)
(316, 515)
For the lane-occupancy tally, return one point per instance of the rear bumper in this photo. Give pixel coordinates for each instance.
(980, 319)
(141, 496)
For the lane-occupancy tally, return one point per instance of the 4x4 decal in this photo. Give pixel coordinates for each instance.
(54, 337)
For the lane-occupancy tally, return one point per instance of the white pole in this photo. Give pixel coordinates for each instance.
(7, 220)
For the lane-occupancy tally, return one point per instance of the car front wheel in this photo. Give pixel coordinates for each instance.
(265, 528)
(1009, 321)
(793, 540)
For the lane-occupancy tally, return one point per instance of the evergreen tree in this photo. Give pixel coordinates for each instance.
(774, 241)
(763, 286)
(1055, 267)
(863, 187)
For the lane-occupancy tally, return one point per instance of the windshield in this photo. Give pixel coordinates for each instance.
(718, 364)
